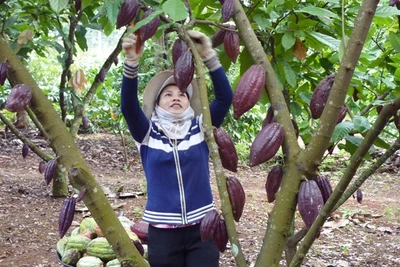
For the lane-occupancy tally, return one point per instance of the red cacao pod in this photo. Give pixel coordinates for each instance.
(66, 215)
(208, 225)
(342, 114)
(226, 149)
(273, 182)
(25, 150)
(266, 143)
(359, 196)
(127, 12)
(269, 118)
(218, 37)
(184, 70)
(236, 196)
(141, 229)
(221, 236)
(78, 5)
(19, 97)
(102, 75)
(179, 47)
(232, 45)
(85, 122)
(324, 186)
(248, 90)
(309, 202)
(3, 72)
(228, 8)
(320, 96)
(149, 29)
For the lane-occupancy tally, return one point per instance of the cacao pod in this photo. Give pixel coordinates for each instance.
(359, 196)
(218, 37)
(342, 114)
(42, 166)
(25, 150)
(141, 229)
(396, 120)
(178, 49)
(228, 8)
(127, 12)
(266, 143)
(320, 96)
(355, 94)
(50, 171)
(236, 196)
(81, 195)
(220, 236)
(273, 182)
(184, 70)
(102, 75)
(226, 149)
(393, 2)
(66, 215)
(116, 60)
(139, 246)
(208, 225)
(232, 45)
(149, 29)
(78, 5)
(19, 97)
(309, 202)
(269, 118)
(324, 186)
(85, 122)
(3, 72)
(248, 90)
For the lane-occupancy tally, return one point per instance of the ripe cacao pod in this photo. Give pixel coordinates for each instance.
(226, 149)
(269, 118)
(266, 143)
(102, 75)
(81, 195)
(273, 182)
(149, 29)
(127, 12)
(248, 90)
(3, 72)
(184, 70)
(320, 96)
(141, 229)
(228, 8)
(139, 246)
(50, 171)
(19, 97)
(208, 225)
(324, 186)
(342, 114)
(220, 237)
(42, 166)
(236, 196)
(85, 122)
(309, 202)
(178, 49)
(232, 45)
(78, 5)
(359, 196)
(66, 215)
(25, 150)
(218, 37)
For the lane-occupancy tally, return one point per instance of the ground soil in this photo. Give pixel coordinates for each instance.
(366, 234)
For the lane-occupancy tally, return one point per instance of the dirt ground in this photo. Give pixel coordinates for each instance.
(366, 234)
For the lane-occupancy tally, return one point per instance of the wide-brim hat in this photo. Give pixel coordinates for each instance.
(157, 83)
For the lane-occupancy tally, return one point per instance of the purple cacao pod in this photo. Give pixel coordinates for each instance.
(309, 202)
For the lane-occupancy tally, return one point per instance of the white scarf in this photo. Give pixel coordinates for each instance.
(175, 126)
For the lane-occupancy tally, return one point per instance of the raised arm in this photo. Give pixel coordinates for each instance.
(222, 89)
(137, 122)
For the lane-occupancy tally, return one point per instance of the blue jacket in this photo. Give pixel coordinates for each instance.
(177, 171)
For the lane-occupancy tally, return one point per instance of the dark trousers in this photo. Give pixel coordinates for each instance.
(180, 247)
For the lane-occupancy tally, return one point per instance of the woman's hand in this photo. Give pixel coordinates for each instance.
(203, 44)
(129, 46)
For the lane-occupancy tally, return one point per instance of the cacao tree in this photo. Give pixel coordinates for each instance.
(298, 46)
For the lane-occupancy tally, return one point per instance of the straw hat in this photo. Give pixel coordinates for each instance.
(159, 82)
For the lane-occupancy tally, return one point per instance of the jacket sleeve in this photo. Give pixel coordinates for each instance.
(137, 122)
(219, 107)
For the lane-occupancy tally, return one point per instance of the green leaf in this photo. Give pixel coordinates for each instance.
(394, 39)
(290, 74)
(58, 5)
(386, 11)
(326, 40)
(261, 21)
(381, 143)
(361, 124)
(86, 3)
(80, 38)
(288, 40)
(357, 142)
(341, 130)
(342, 47)
(112, 9)
(317, 11)
(175, 9)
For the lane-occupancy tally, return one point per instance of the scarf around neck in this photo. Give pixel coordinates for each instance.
(175, 126)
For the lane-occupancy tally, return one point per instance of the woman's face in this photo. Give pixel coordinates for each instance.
(173, 100)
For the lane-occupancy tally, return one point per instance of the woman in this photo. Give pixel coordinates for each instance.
(175, 157)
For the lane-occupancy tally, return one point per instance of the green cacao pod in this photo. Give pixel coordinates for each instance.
(99, 247)
(320, 96)
(71, 256)
(78, 242)
(248, 90)
(309, 202)
(208, 225)
(127, 12)
(237, 196)
(226, 149)
(266, 143)
(273, 182)
(89, 261)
